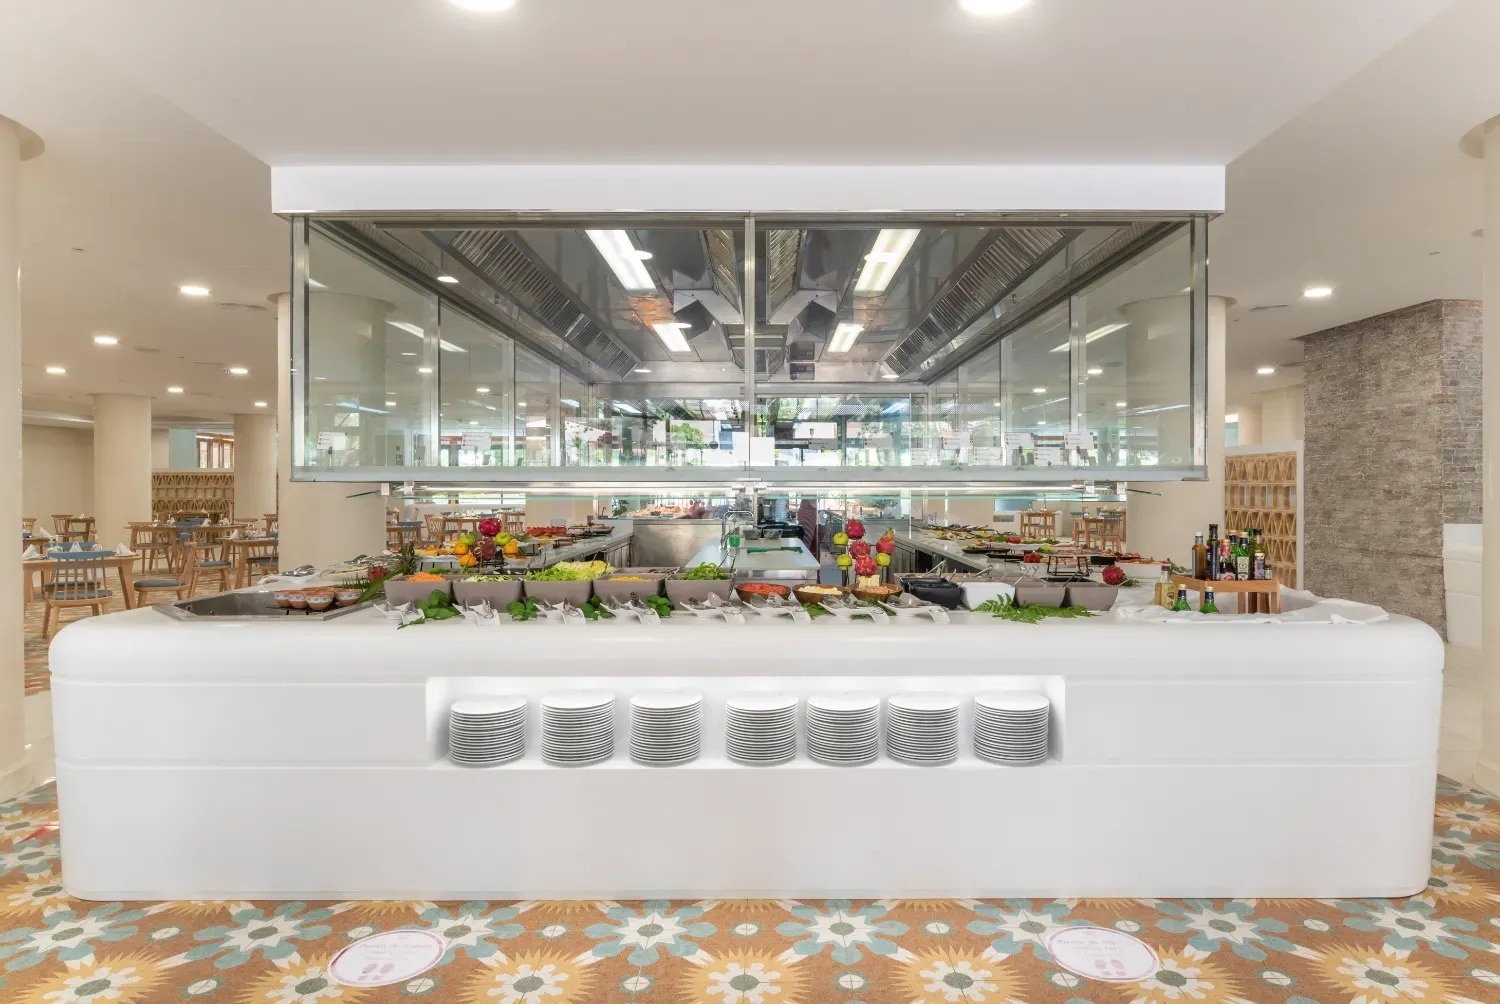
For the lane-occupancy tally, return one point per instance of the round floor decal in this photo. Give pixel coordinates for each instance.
(383, 959)
(1102, 954)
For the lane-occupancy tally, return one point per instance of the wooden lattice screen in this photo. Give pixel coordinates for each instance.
(1260, 491)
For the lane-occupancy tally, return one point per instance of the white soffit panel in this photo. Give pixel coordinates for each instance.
(738, 189)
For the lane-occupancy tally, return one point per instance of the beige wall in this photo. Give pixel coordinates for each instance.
(1281, 418)
(57, 471)
(161, 450)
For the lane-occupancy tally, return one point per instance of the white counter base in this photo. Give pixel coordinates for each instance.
(306, 761)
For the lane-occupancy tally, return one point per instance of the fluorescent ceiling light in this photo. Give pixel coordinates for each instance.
(890, 376)
(424, 370)
(260, 404)
(844, 337)
(626, 408)
(481, 390)
(1265, 371)
(191, 290)
(640, 369)
(1096, 371)
(473, 421)
(672, 337)
(624, 259)
(1095, 335)
(447, 278)
(988, 8)
(390, 404)
(412, 329)
(1317, 292)
(106, 340)
(1039, 390)
(1121, 404)
(238, 371)
(57, 370)
(1041, 424)
(1232, 417)
(174, 390)
(884, 260)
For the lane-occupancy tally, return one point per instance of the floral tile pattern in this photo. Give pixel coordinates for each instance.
(1440, 947)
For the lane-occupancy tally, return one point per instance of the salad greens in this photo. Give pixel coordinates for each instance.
(1003, 608)
(522, 610)
(706, 571)
(661, 605)
(571, 571)
(488, 578)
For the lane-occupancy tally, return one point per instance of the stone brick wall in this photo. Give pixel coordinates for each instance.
(1391, 453)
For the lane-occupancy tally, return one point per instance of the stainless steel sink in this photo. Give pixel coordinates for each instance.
(246, 605)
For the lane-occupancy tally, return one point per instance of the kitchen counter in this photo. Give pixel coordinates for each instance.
(292, 761)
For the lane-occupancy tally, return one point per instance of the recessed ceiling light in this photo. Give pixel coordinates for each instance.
(320, 378)
(191, 290)
(1096, 371)
(1039, 390)
(1040, 424)
(640, 369)
(424, 370)
(238, 371)
(890, 376)
(481, 390)
(447, 278)
(390, 404)
(57, 370)
(1317, 292)
(174, 390)
(1265, 371)
(844, 337)
(408, 353)
(106, 340)
(1121, 404)
(672, 337)
(473, 421)
(624, 259)
(884, 259)
(993, 8)
(260, 404)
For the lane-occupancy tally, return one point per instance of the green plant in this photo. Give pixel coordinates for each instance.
(661, 605)
(407, 562)
(522, 610)
(437, 607)
(1006, 609)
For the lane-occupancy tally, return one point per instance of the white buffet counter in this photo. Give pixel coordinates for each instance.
(306, 760)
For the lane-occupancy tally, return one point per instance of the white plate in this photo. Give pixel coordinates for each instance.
(666, 701)
(1012, 701)
(926, 703)
(581, 700)
(761, 703)
(845, 703)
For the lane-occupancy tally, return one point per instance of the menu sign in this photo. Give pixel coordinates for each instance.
(478, 439)
(333, 441)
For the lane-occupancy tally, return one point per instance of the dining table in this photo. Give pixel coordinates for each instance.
(123, 564)
(235, 550)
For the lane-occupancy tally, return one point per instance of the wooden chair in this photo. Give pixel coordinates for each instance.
(28, 524)
(269, 521)
(435, 535)
(514, 523)
(79, 527)
(256, 559)
(77, 581)
(152, 543)
(398, 535)
(177, 584)
(200, 561)
(60, 522)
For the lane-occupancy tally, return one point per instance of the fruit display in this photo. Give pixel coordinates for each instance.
(860, 549)
(1113, 575)
(855, 529)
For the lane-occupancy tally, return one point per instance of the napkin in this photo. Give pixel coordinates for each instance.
(42, 533)
(402, 613)
(480, 614)
(30, 553)
(121, 551)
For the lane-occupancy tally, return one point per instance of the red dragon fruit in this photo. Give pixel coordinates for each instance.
(860, 549)
(489, 527)
(855, 529)
(886, 545)
(866, 566)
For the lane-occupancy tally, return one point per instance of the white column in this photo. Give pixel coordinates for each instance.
(122, 465)
(254, 465)
(1162, 525)
(1487, 770)
(320, 523)
(16, 144)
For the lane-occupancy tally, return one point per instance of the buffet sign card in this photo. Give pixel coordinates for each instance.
(478, 439)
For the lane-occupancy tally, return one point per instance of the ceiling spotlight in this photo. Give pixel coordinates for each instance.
(447, 278)
(483, 6)
(993, 8)
(106, 340)
(174, 390)
(260, 404)
(844, 337)
(191, 290)
(1317, 292)
(56, 371)
(672, 337)
(1096, 371)
(238, 371)
(1265, 371)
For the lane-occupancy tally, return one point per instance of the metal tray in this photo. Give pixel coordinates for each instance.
(247, 605)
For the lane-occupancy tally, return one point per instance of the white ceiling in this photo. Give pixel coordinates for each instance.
(1345, 167)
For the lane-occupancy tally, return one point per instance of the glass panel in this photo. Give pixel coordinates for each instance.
(1135, 371)
(1034, 365)
(371, 361)
(475, 373)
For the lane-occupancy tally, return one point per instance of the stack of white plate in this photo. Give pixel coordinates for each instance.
(843, 729)
(488, 731)
(760, 729)
(922, 728)
(665, 729)
(578, 728)
(1011, 727)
